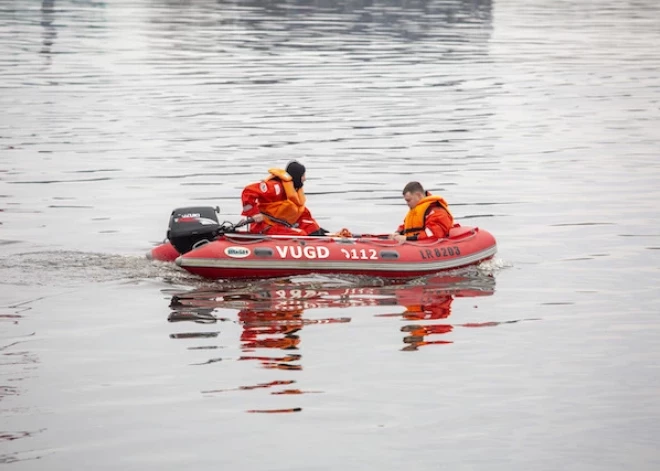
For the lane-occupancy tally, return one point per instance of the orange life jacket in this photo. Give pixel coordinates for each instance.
(288, 210)
(415, 220)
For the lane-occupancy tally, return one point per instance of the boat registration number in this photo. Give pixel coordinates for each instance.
(440, 252)
(360, 254)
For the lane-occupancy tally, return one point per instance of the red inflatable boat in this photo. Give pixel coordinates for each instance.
(198, 244)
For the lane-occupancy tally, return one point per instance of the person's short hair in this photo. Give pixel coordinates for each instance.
(413, 187)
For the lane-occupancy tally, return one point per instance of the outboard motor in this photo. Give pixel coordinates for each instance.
(192, 226)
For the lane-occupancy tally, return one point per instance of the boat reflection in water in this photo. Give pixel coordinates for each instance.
(272, 314)
(428, 306)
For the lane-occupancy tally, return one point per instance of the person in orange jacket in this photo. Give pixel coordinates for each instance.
(276, 204)
(429, 215)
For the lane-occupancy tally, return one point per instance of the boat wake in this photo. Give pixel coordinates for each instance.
(61, 268)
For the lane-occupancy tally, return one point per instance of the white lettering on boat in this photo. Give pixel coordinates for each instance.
(360, 254)
(299, 252)
(190, 215)
(237, 252)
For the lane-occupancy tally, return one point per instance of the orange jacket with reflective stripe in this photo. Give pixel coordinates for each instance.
(275, 198)
(429, 218)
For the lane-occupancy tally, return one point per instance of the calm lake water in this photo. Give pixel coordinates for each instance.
(538, 121)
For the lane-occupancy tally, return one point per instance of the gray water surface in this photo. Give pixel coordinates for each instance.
(537, 121)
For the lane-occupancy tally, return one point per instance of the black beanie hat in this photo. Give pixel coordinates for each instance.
(296, 170)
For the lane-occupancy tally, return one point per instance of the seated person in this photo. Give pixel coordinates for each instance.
(429, 215)
(276, 205)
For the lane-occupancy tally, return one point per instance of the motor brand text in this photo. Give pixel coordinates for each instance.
(237, 252)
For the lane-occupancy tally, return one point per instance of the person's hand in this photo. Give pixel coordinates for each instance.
(398, 237)
(342, 233)
(258, 217)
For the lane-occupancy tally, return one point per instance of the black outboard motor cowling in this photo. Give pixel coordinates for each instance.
(192, 225)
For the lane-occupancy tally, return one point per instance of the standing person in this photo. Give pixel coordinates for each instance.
(429, 215)
(276, 204)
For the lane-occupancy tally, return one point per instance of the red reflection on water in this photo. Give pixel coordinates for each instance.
(293, 391)
(273, 329)
(271, 316)
(293, 357)
(439, 308)
(256, 386)
(274, 411)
